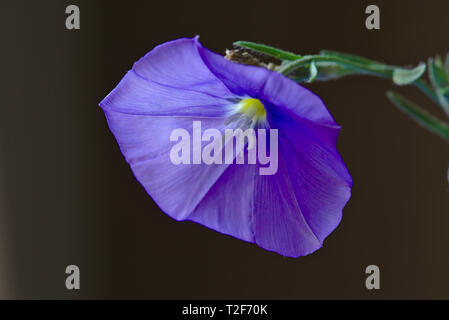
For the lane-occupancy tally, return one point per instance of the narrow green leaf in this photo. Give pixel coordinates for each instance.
(438, 71)
(354, 66)
(325, 71)
(447, 63)
(407, 76)
(267, 50)
(420, 115)
(356, 59)
(440, 82)
(313, 72)
(331, 70)
(425, 88)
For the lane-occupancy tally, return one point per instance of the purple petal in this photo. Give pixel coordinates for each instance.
(166, 90)
(242, 80)
(315, 186)
(279, 223)
(228, 206)
(269, 86)
(290, 212)
(178, 64)
(145, 143)
(284, 93)
(139, 96)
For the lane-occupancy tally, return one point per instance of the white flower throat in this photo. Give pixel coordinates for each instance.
(214, 146)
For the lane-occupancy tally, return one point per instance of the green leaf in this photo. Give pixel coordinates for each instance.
(267, 50)
(440, 82)
(344, 61)
(407, 76)
(438, 72)
(331, 70)
(422, 85)
(313, 72)
(420, 115)
(447, 63)
(357, 59)
(325, 71)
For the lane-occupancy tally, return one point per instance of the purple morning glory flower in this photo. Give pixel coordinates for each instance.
(179, 83)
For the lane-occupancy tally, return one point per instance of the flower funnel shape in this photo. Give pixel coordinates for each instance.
(181, 91)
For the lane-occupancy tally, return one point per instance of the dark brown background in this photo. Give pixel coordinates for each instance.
(68, 197)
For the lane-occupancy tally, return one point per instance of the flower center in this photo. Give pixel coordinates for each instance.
(253, 109)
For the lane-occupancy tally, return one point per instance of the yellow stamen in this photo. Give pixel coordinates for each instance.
(252, 108)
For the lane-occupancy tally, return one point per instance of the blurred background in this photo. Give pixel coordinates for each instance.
(67, 195)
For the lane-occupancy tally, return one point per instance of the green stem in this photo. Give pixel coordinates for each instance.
(373, 69)
(332, 65)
